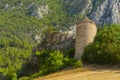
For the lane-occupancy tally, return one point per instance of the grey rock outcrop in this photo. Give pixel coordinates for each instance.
(107, 13)
(38, 12)
(62, 40)
(100, 11)
(6, 6)
(33, 9)
(78, 6)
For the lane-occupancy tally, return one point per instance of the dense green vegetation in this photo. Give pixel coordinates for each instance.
(106, 47)
(51, 61)
(16, 41)
(57, 16)
(19, 29)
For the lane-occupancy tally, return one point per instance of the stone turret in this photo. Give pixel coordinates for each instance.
(85, 32)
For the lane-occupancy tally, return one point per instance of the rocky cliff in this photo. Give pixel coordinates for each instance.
(62, 40)
(100, 11)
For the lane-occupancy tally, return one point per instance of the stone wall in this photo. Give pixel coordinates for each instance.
(85, 33)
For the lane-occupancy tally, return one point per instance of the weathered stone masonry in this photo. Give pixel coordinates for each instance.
(85, 32)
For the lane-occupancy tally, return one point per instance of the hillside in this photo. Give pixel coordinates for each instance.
(100, 11)
(28, 26)
(64, 12)
(23, 24)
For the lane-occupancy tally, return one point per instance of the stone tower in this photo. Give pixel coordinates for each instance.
(85, 32)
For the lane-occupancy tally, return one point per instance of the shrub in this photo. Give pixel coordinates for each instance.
(50, 61)
(106, 48)
(69, 53)
(12, 76)
(71, 62)
(78, 63)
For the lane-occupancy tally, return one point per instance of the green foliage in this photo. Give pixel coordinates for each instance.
(16, 41)
(57, 17)
(110, 34)
(71, 62)
(69, 53)
(106, 48)
(25, 78)
(78, 64)
(12, 76)
(50, 61)
(18, 31)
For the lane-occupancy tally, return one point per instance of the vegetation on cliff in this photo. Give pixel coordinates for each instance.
(20, 33)
(106, 47)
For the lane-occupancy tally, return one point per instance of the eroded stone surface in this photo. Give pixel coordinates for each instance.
(85, 32)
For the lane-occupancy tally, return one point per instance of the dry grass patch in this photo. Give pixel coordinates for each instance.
(87, 72)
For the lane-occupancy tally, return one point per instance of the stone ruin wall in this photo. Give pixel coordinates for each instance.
(85, 32)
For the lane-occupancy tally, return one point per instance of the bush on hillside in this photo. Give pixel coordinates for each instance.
(78, 64)
(106, 47)
(12, 76)
(69, 53)
(50, 61)
(71, 62)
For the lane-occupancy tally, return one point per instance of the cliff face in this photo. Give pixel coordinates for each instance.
(107, 13)
(78, 6)
(100, 11)
(32, 9)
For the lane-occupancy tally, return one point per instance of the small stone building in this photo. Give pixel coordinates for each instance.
(85, 32)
